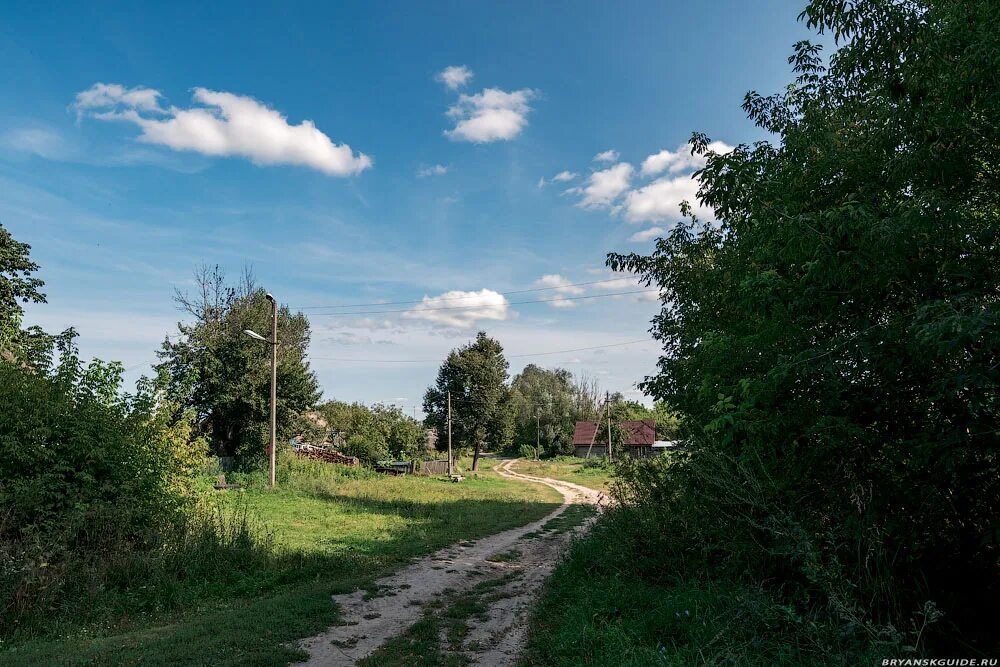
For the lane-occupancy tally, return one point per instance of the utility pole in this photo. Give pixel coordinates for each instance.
(274, 388)
(273, 342)
(607, 399)
(449, 435)
(538, 436)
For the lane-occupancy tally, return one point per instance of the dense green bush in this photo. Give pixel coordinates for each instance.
(833, 335)
(71, 447)
(97, 499)
(682, 572)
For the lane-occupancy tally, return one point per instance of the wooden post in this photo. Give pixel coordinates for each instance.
(607, 402)
(449, 435)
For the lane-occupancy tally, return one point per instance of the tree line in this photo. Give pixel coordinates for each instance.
(538, 408)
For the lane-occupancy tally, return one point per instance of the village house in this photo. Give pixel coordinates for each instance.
(591, 440)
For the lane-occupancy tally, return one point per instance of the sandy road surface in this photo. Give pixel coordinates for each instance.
(369, 620)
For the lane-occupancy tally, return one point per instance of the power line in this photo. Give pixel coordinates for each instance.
(512, 356)
(476, 307)
(459, 298)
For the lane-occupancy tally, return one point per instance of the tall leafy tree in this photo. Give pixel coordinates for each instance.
(224, 375)
(547, 404)
(839, 321)
(373, 433)
(482, 414)
(18, 285)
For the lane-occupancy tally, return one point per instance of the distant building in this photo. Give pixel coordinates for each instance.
(590, 439)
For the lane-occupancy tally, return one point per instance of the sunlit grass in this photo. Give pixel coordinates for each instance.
(334, 530)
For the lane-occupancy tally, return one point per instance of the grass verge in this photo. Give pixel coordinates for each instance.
(333, 530)
(612, 603)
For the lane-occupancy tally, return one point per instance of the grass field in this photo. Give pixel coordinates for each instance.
(333, 530)
(592, 473)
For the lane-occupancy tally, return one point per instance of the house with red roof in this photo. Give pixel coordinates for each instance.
(591, 439)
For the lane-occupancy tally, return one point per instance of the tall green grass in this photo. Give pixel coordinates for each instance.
(697, 565)
(252, 570)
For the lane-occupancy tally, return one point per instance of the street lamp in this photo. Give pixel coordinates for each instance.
(273, 342)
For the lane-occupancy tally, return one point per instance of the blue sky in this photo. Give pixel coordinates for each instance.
(139, 142)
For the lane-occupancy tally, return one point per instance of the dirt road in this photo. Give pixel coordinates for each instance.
(496, 577)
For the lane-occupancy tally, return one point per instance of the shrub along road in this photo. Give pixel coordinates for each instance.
(465, 604)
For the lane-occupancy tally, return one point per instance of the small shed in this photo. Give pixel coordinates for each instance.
(641, 434)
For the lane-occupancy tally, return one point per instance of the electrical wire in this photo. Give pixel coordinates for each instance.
(512, 356)
(479, 306)
(459, 298)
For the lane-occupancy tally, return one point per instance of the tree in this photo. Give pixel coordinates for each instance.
(18, 286)
(476, 376)
(557, 400)
(224, 375)
(373, 434)
(839, 322)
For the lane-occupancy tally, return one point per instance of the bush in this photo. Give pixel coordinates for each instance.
(71, 448)
(96, 491)
(699, 562)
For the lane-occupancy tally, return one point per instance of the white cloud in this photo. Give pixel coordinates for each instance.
(461, 309)
(561, 177)
(561, 286)
(612, 284)
(105, 95)
(226, 125)
(679, 160)
(492, 115)
(661, 200)
(436, 170)
(647, 234)
(455, 76)
(605, 186)
(606, 156)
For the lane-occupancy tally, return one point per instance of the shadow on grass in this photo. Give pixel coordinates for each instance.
(252, 616)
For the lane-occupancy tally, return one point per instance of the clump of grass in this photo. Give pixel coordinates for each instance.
(509, 556)
(447, 618)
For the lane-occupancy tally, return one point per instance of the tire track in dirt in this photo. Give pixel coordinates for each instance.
(371, 618)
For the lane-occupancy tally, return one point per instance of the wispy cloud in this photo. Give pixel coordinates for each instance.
(606, 156)
(225, 124)
(435, 170)
(455, 76)
(39, 141)
(561, 286)
(561, 177)
(647, 234)
(491, 115)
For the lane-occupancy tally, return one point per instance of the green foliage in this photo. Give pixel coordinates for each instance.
(224, 376)
(71, 444)
(374, 433)
(90, 478)
(482, 414)
(551, 401)
(839, 325)
(18, 286)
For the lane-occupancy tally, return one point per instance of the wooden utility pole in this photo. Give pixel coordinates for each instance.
(607, 402)
(449, 435)
(538, 436)
(597, 428)
(274, 391)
